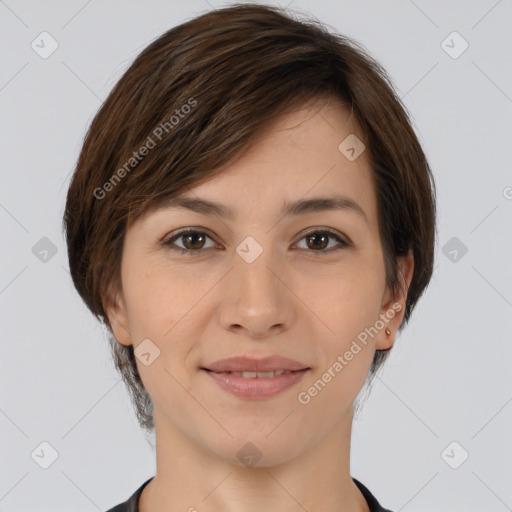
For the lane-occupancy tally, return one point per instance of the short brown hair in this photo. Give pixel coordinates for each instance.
(235, 69)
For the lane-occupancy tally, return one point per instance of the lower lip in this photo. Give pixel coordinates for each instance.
(256, 387)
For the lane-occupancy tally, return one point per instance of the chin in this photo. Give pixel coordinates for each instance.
(254, 450)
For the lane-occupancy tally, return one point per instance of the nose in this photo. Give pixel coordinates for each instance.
(256, 301)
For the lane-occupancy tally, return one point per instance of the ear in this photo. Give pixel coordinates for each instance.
(116, 310)
(393, 306)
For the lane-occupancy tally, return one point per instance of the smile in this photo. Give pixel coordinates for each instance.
(256, 385)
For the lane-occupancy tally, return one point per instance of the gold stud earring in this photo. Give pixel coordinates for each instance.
(388, 332)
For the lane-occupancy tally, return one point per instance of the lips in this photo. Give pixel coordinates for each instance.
(256, 379)
(249, 367)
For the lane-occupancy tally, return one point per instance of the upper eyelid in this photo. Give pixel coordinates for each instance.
(186, 231)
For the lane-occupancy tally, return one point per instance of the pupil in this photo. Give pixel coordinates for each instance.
(191, 237)
(324, 238)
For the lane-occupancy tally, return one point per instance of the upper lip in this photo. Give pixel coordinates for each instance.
(250, 364)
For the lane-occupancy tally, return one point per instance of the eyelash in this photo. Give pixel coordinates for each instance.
(168, 243)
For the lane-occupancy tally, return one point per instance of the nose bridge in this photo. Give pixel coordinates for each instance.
(257, 299)
(255, 268)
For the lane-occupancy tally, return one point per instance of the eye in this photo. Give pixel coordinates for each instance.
(317, 240)
(194, 241)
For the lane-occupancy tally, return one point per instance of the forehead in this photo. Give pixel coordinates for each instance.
(314, 149)
(297, 166)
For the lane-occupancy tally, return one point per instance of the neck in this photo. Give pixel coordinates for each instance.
(192, 478)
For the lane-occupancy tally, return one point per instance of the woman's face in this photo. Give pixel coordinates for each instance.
(307, 284)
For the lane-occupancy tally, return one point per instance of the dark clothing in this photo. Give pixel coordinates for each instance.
(132, 503)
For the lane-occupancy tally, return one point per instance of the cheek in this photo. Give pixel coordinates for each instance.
(163, 306)
(349, 300)
(158, 298)
(353, 307)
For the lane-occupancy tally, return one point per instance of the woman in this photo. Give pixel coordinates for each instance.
(253, 218)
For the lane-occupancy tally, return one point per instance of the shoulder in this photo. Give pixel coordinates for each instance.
(373, 504)
(132, 503)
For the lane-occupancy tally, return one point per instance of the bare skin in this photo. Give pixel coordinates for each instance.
(303, 297)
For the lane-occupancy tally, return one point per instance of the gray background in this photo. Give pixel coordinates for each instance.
(448, 378)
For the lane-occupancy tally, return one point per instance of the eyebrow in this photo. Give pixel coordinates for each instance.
(299, 207)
